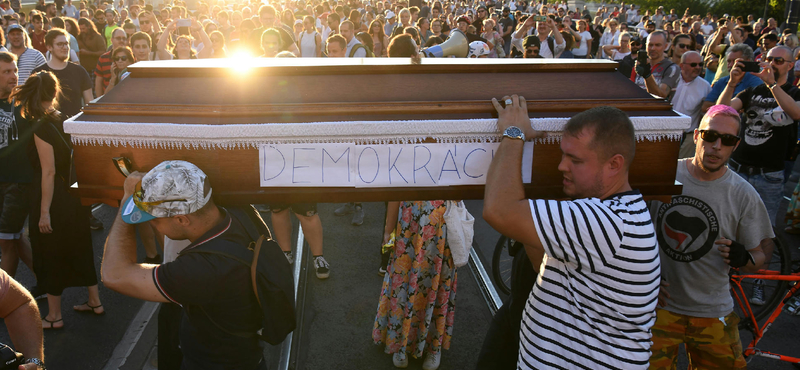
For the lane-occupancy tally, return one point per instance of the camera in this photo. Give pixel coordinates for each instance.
(540, 18)
(750, 66)
(10, 359)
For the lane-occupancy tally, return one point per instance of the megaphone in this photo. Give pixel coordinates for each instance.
(455, 45)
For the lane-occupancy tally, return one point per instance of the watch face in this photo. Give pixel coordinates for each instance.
(514, 132)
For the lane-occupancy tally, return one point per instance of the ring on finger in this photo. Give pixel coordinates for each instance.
(509, 102)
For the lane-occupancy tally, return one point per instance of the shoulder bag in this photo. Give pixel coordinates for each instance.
(460, 231)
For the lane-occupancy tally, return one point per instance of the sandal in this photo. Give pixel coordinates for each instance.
(91, 308)
(52, 324)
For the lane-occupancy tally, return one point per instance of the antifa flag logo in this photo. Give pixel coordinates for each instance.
(683, 229)
(687, 228)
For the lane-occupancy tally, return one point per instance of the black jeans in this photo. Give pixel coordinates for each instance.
(501, 344)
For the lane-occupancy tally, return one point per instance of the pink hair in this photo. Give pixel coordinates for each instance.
(721, 110)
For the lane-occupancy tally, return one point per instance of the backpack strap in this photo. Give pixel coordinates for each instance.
(254, 265)
(551, 43)
(355, 49)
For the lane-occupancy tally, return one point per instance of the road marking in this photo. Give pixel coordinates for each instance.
(131, 337)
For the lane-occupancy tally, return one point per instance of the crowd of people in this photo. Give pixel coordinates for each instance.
(599, 306)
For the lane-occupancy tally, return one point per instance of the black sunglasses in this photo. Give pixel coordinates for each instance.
(778, 60)
(693, 65)
(712, 136)
(683, 46)
(123, 58)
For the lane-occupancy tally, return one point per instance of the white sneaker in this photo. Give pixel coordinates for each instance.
(400, 360)
(432, 361)
(321, 267)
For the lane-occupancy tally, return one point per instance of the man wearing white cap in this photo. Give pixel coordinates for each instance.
(214, 291)
(391, 23)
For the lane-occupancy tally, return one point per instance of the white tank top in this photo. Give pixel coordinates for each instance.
(308, 44)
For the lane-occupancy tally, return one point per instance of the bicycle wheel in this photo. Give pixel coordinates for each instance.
(779, 261)
(501, 264)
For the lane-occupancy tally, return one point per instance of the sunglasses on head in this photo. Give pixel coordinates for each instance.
(121, 58)
(138, 199)
(778, 60)
(711, 136)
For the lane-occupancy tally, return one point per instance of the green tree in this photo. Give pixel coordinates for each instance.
(775, 8)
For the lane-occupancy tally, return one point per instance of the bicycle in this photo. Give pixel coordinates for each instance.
(502, 259)
(780, 273)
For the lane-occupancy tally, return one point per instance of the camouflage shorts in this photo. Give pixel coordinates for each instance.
(710, 344)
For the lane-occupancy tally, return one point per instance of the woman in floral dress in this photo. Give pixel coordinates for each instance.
(417, 302)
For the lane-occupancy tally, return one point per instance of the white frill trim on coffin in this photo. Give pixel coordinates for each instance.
(191, 136)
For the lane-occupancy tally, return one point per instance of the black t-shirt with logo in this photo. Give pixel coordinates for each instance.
(221, 287)
(767, 132)
(15, 135)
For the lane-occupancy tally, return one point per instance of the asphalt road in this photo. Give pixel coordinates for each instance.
(339, 311)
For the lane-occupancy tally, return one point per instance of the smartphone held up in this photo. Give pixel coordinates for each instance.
(183, 26)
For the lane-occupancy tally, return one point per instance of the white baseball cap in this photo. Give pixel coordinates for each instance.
(171, 188)
(390, 14)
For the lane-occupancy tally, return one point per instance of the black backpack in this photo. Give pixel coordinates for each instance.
(270, 272)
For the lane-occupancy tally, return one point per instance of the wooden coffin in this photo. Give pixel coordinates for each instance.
(138, 117)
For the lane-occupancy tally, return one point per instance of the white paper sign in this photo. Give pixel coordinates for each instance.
(392, 165)
(306, 165)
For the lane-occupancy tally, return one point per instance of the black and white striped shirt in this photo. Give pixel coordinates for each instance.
(27, 62)
(594, 301)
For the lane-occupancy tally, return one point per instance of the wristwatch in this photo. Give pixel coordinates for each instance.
(38, 362)
(514, 132)
(773, 84)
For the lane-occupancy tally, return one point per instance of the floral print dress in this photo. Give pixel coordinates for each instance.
(418, 297)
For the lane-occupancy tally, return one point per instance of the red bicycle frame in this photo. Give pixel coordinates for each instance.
(759, 331)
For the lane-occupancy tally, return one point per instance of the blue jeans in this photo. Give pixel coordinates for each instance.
(769, 186)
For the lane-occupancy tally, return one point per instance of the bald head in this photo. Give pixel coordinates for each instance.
(690, 56)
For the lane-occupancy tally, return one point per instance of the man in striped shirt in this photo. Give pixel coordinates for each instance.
(102, 72)
(28, 58)
(593, 303)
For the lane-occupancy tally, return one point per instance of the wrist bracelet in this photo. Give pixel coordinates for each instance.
(772, 85)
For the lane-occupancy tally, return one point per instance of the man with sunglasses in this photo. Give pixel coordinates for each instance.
(681, 43)
(627, 63)
(481, 14)
(532, 45)
(76, 85)
(717, 222)
(689, 95)
(769, 127)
